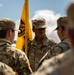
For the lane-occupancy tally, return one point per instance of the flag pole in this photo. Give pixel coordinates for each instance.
(27, 23)
(25, 31)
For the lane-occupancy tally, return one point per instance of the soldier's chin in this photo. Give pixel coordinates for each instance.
(42, 36)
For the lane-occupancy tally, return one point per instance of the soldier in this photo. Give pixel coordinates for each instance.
(62, 64)
(40, 44)
(6, 70)
(9, 55)
(63, 45)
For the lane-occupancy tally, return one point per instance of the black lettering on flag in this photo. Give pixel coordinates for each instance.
(21, 28)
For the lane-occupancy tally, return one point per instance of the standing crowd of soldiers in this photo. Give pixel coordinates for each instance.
(45, 56)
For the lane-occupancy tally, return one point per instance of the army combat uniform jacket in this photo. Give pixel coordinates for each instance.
(16, 59)
(55, 50)
(63, 64)
(37, 50)
(6, 70)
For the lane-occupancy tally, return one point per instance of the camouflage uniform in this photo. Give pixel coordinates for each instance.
(59, 48)
(62, 64)
(55, 50)
(13, 57)
(63, 45)
(6, 70)
(38, 48)
(9, 55)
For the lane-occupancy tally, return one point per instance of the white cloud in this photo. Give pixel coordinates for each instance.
(50, 18)
(17, 26)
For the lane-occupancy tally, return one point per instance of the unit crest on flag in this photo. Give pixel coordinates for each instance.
(21, 28)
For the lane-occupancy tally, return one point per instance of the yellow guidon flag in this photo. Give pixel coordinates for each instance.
(25, 33)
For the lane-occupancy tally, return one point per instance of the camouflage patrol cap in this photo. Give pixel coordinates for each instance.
(7, 23)
(6, 70)
(70, 15)
(39, 23)
(62, 22)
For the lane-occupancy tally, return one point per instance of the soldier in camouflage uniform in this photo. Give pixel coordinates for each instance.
(55, 65)
(9, 55)
(63, 45)
(40, 44)
(62, 64)
(6, 70)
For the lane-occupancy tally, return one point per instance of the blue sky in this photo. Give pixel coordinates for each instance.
(51, 10)
(13, 8)
(58, 6)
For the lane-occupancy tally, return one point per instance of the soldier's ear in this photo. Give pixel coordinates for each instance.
(62, 31)
(9, 33)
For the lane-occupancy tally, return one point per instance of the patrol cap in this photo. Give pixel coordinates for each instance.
(62, 22)
(7, 23)
(70, 14)
(39, 23)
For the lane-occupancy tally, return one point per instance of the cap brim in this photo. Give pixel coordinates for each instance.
(40, 27)
(56, 28)
(17, 30)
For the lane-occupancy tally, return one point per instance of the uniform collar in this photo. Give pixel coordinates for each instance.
(63, 38)
(4, 41)
(43, 42)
